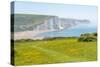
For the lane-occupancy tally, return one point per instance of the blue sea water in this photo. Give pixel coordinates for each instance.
(69, 32)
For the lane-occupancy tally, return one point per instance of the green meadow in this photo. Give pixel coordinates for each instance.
(54, 51)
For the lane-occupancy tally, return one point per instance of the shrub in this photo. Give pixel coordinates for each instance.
(88, 37)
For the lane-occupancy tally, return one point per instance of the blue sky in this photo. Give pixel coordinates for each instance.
(61, 10)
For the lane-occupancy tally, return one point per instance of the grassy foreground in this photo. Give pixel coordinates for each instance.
(54, 51)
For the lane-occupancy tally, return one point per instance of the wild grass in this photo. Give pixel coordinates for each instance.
(54, 51)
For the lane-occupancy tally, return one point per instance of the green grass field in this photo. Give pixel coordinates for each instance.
(54, 51)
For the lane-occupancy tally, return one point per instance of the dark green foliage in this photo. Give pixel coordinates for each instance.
(24, 40)
(88, 37)
(95, 34)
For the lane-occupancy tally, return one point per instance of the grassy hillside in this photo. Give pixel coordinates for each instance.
(54, 51)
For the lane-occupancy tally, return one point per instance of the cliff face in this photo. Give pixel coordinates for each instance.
(28, 26)
(25, 22)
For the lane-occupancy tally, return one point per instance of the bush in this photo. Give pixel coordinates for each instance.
(24, 40)
(88, 37)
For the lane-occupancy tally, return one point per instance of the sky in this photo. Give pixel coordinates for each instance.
(61, 10)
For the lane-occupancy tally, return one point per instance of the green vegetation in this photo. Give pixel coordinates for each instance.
(88, 37)
(54, 51)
